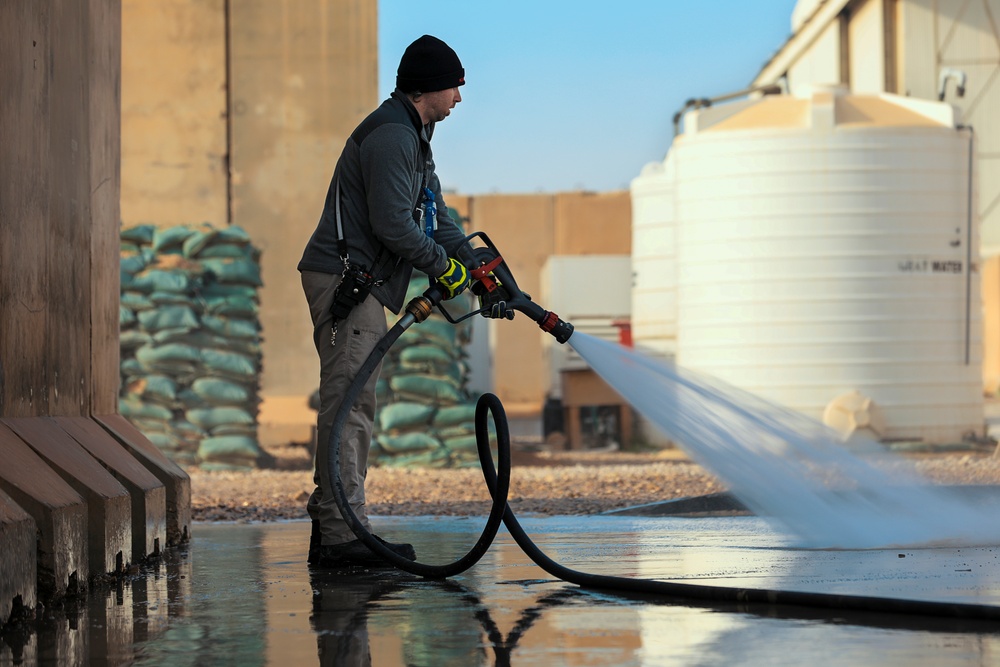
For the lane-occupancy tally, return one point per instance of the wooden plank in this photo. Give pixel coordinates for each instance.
(149, 494)
(60, 514)
(104, 116)
(17, 559)
(109, 504)
(24, 161)
(177, 481)
(67, 278)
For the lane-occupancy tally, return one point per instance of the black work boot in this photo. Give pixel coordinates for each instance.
(355, 554)
(314, 544)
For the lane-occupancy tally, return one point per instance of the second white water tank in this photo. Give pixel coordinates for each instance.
(654, 260)
(826, 260)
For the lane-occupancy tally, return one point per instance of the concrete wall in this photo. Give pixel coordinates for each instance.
(174, 128)
(303, 75)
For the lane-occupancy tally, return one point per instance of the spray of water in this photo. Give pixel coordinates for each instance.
(787, 467)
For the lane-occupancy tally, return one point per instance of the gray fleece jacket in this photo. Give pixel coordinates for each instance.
(382, 170)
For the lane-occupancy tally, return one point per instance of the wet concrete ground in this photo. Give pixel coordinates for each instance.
(242, 594)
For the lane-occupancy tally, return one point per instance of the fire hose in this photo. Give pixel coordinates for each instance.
(494, 270)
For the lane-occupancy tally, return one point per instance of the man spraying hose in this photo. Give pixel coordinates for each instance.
(383, 217)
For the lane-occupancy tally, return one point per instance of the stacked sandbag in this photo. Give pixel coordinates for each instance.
(426, 417)
(190, 342)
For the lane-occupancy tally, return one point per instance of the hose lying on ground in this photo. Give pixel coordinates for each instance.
(498, 481)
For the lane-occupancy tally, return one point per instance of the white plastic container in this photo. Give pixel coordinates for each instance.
(654, 260)
(824, 247)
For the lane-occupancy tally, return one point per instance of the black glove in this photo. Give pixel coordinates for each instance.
(493, 304)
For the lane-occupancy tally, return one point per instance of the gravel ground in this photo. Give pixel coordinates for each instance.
(542, 484)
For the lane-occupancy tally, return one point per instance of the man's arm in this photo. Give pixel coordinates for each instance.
(389, 158)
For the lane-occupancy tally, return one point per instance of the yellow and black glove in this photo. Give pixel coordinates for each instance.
(455, 280)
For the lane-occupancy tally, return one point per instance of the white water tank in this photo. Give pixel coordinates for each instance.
(826, 259)
(654, 260)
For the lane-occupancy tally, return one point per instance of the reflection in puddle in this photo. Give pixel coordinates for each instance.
(242, 594)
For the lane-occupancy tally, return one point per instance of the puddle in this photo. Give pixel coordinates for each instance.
(242, 594)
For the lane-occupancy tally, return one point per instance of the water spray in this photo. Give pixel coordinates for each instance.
(500, 297)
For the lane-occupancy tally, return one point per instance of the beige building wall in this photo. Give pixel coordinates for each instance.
(173, 127)
(302, 76)
(528, 229)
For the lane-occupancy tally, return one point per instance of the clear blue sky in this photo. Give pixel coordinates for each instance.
(576, 94)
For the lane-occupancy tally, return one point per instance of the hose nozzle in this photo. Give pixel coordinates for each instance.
(560, 329)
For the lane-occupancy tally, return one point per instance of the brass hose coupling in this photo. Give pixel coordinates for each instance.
(420, 307)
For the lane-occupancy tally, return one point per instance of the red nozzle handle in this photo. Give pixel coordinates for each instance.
(482, 274)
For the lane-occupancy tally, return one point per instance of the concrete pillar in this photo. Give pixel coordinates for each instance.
(60, 514)
(18, 566)
(109, 517)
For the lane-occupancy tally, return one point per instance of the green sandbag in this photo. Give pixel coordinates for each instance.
(161, 298)
(168, 317)
(125, 316)
(139, 234)
(419, 355)
(237, 305)
(210, 418)
(433, 458)
(171, 358)
(156, 280)
(137, 301)
(213, 289)
(189, 400)
(232, 365)
(171, 240)
(237, 270)
(408, 443)
(466, 428)
(438, 332)
(424, 389)
(229, 449)
(167, 442)
(217, 391)
(224, 250)
(183, 335)
(404, 415)
(455, 414)
(197, 242)
(133, 263)
(461, 443)
(154, 387)
(230, 327)
(131, 367)
(249, 430)
(134, 408)
(132, 340)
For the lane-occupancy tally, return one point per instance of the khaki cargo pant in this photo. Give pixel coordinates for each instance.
(356, 337)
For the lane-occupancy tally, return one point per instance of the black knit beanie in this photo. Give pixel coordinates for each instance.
(428, 64)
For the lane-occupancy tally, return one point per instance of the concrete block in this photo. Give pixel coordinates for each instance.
(60, 514)
(149, 495)
(109, 504)
(18, 564)
(177, 481)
